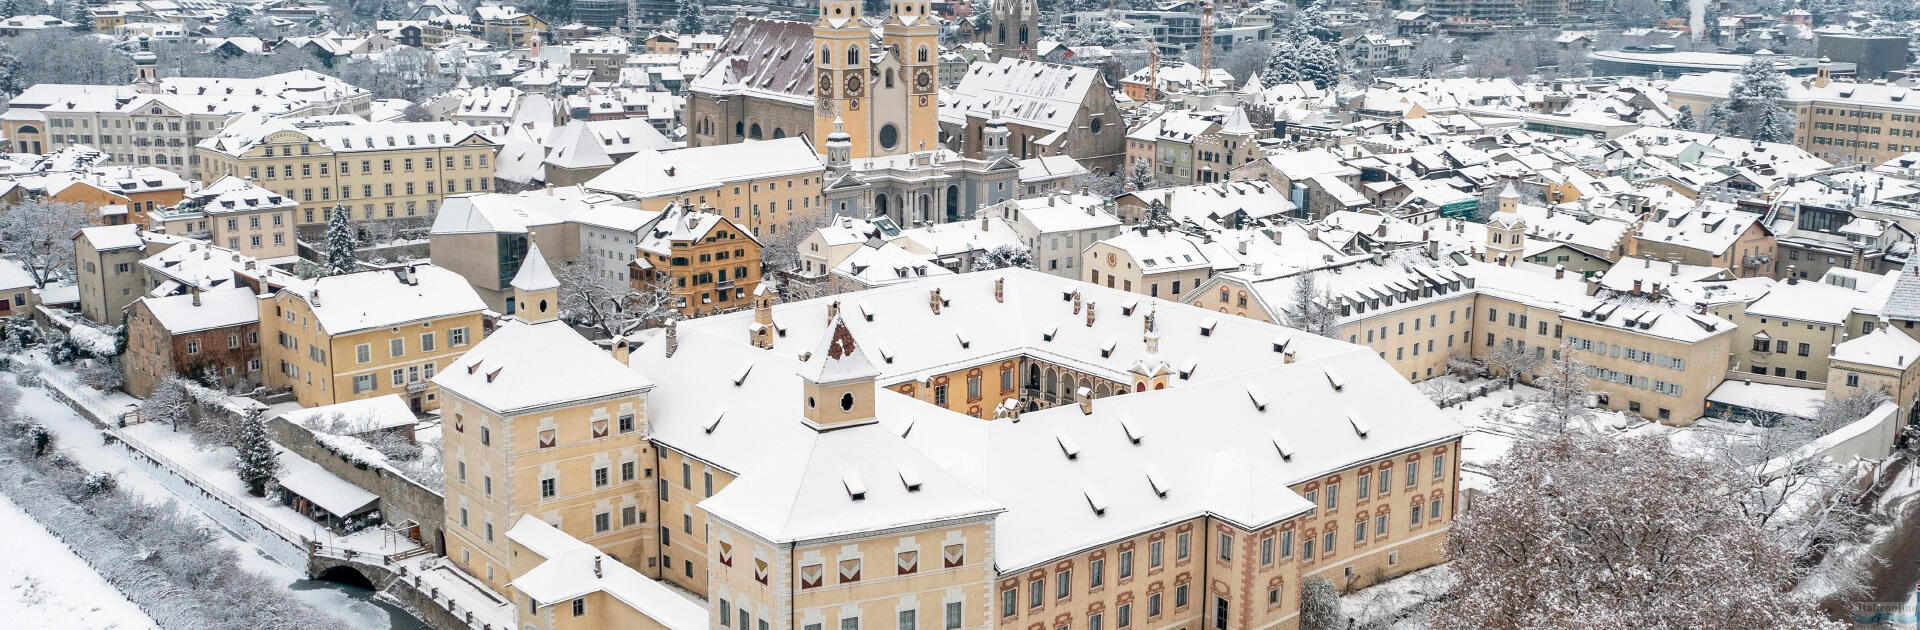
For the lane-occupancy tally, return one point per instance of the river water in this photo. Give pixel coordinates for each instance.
(356, 606)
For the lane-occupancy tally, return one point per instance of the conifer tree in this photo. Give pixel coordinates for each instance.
(690, 20)
(257, 462)
(341, 236)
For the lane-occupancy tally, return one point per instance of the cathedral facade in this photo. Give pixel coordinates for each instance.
(775, 78)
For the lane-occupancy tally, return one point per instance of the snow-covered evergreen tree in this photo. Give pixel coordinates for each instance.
(1684, 119)
(9, 8)
(388, 11)
(1719, 119)
(82, 18)
(1308, 59)
(256, 461)
(1310, 309)
(1311, 21)
(1755, 103)
(342, 237)
(691, 18)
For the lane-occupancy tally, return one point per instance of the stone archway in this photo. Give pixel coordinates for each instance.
(345, 574)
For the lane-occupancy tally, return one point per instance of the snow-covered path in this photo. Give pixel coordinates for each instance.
(81, 441)
(44, 585)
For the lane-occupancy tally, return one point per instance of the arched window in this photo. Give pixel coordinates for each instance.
(923, 55)
(1033, 376)
(1023, 36)
(779, 133)
(889, 78)
(853, 55)
(739, 129)
(880, 204)
(953, 202)
(754, 131)
(26, 129)
(826, 56)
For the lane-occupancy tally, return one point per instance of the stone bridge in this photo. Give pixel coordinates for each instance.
(400, 576)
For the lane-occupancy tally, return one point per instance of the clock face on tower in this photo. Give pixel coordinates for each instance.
(853, 85)
(923, 80)
(825, 85)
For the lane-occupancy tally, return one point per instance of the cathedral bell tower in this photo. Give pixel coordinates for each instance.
(1016, 29)
(912, 34)
(841, 74)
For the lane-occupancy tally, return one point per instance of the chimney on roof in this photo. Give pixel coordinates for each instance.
(1559, 272)
(1636, 287)
(1000, 289)
(833, 310)
(673, 336)
(196, 295)
(1089, 313)
(1379, 256)
(983, 224)
(1076, 301)
(621, 350)
(1277, 234)
(1243, 246)
(1656, 291)
(1791, 277)
(933, 300)
(1085, 397)
(550, 194)
(1593, 286)
(1287, 356)
(596, 566)
(1675, 270)
(1381, 231)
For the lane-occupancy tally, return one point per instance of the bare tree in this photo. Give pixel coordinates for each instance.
(1320, 605)
(170, 403)
(39, 233)
(1004, 257)
(1834, 413)
(1510, 362)
(1564, 405)
(1804, 501)
(1589, 532)
(1247, 60)
(612, 306)
(780, 250)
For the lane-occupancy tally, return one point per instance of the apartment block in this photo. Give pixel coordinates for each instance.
(377, 171)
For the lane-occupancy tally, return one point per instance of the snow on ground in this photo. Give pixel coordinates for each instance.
(44, 585)
(1400, 603)
(81, 441)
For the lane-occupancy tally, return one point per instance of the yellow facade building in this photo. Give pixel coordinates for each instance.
(800, 490)
(378, 171)
(368, 333)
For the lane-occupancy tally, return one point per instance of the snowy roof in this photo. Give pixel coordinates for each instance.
(109, 237)
(341, 134)
(233, 194)
(510, 213)
(1031, 93)
(362, 300)
(275, 94)
(886, 265)
(1050, 167)
(650, 174)
(574, 569)
(367, 414)
(1799, 402)
(331, 493)
(1061, 212)
(761, 57)
(1884, 347)
(14, 275)
(1904, 301)
(218, 308)
(1712, 227)
(534, 274)
(1815, 302)
(524, 366)
(1161, 252)
(1121, 451)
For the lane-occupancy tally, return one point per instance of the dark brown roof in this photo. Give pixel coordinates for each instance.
(768, 57)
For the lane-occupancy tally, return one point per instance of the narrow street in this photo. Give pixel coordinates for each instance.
(1893, 578)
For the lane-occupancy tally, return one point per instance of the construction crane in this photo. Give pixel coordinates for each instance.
(1206, 41)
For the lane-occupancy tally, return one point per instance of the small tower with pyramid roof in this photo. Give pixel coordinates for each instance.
(837, 382)
(1150, 372)
(839, 148)
(536, 292)
(1506, 230)
(762, 329)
